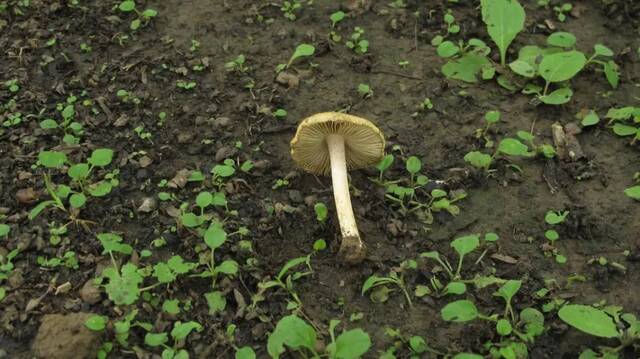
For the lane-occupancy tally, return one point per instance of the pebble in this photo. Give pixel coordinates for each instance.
(148, 204)
(222, 122)
(26, 195)
(295, 196)
(225, 152)
(90, 293)
(185, 137)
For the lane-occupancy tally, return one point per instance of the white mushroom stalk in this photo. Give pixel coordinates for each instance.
(351, 249)
(332, 143)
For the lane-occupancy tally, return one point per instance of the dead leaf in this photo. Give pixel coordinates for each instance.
(504, 258)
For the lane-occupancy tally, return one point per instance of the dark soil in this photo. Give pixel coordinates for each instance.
(204, 124)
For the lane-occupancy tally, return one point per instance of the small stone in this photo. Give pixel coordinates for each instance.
(66, 336)
(288, 79)
(262, 165)
(148, 204)
(295, 196)
(26, 195)
(23, 175)
(121, 121)
(225, 152)
(185, 137)
(145, 161)
(90, 293)
(222, 122)
(16, 279)
(311, 200)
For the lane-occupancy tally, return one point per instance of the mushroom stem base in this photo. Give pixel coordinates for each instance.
(352, 250)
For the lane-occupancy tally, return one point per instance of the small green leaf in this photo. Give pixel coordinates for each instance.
(459, 311)
(182, 330)
(149, 13)
(561, 66)
(478, 159)
(385, 163)
(455, 288)
(79, 171)
(447, 49)
(100, 189)
(4, 230)
(590, 119)
(466, 68)
(351, 344)
(216, 301)
(414, 165)
(245, 353)
(204, 199)
(292, 332)
(215, 236)
(503, 327)
(303, 50)
(171, 306)
(602, 50)
(561, 39)
(612, 73)
(52, 159)
(229, 267)
(127, 6)
(77, 200)
(97, 322)
(101, 157)
(223, 170)
(523, 68)
(558, 217)
(557, 97)
(631, 192)
(513, 147)
(589, 320)
(465, 244)
(155, 339)
(48, 124)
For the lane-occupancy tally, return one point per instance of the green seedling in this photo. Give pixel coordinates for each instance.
(395, 277)
(602, 323)
(490, 118)
(426, 104)
(625, 122)
(416, 344)
(546, 150)
(179, 334)
(69, 260)
(12, 85)
(562, 11)
(13, 119)
(452, 28)
(186, 85)
(303, 50)
(129, 6)
(321, 212)
(504, 20)
(633, 192)
(6, 267)
(195, 45)
(237, 65)
(289, 8)
(365, 91)
(285, 280)
(506, 292)
(127, 97)
(336, 17)
(142, 134)
(604, 262)
(357, 42)
(214, 237)
(81, 185)
(554, 218)
(295, 334)
(85, 48)
(280, 113)
(466, 61)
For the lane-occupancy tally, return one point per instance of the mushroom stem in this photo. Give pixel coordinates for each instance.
(352, 250)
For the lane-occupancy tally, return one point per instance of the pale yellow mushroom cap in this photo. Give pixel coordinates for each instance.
(363, 142)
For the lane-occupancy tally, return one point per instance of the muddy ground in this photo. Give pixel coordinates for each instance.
(204, 125)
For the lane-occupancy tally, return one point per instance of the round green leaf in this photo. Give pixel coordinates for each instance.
(52, 159)
(455, 288)
(414, 165)
(465, 244)
(127, 6)
(478, 159)
(216, 301)
(513, 147)
(631, 192)
(96, 322)
(590, 119)
(48, 124)
(589, 320)
(155, 339)
(557, 97)
(459, 311)
(561, 39)
(245, 353)
(148, 13)
(503, 327)
(602, 50)
(4, 229)
(351, 344)
(78, 171)
(523, 68)
(100, 189)
(204, 199)
(101, 157)
(447, 49)
(77, 200)
(214, 237)
(561, 66)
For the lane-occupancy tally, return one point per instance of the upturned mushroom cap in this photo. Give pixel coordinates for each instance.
(363, 142)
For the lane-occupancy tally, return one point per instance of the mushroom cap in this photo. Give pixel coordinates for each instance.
(363, 142)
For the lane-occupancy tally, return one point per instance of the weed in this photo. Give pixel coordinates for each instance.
(357, 42)
(186, 85)
(285, 280)
(321, 212)
(562, 11)
(395, 277)
(289, 8)
(237, 65)
(179, 333)
(303, 50)
(296, 334)
(143, 18)
(365, 91)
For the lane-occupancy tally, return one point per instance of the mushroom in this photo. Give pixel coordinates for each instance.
(330, 143)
